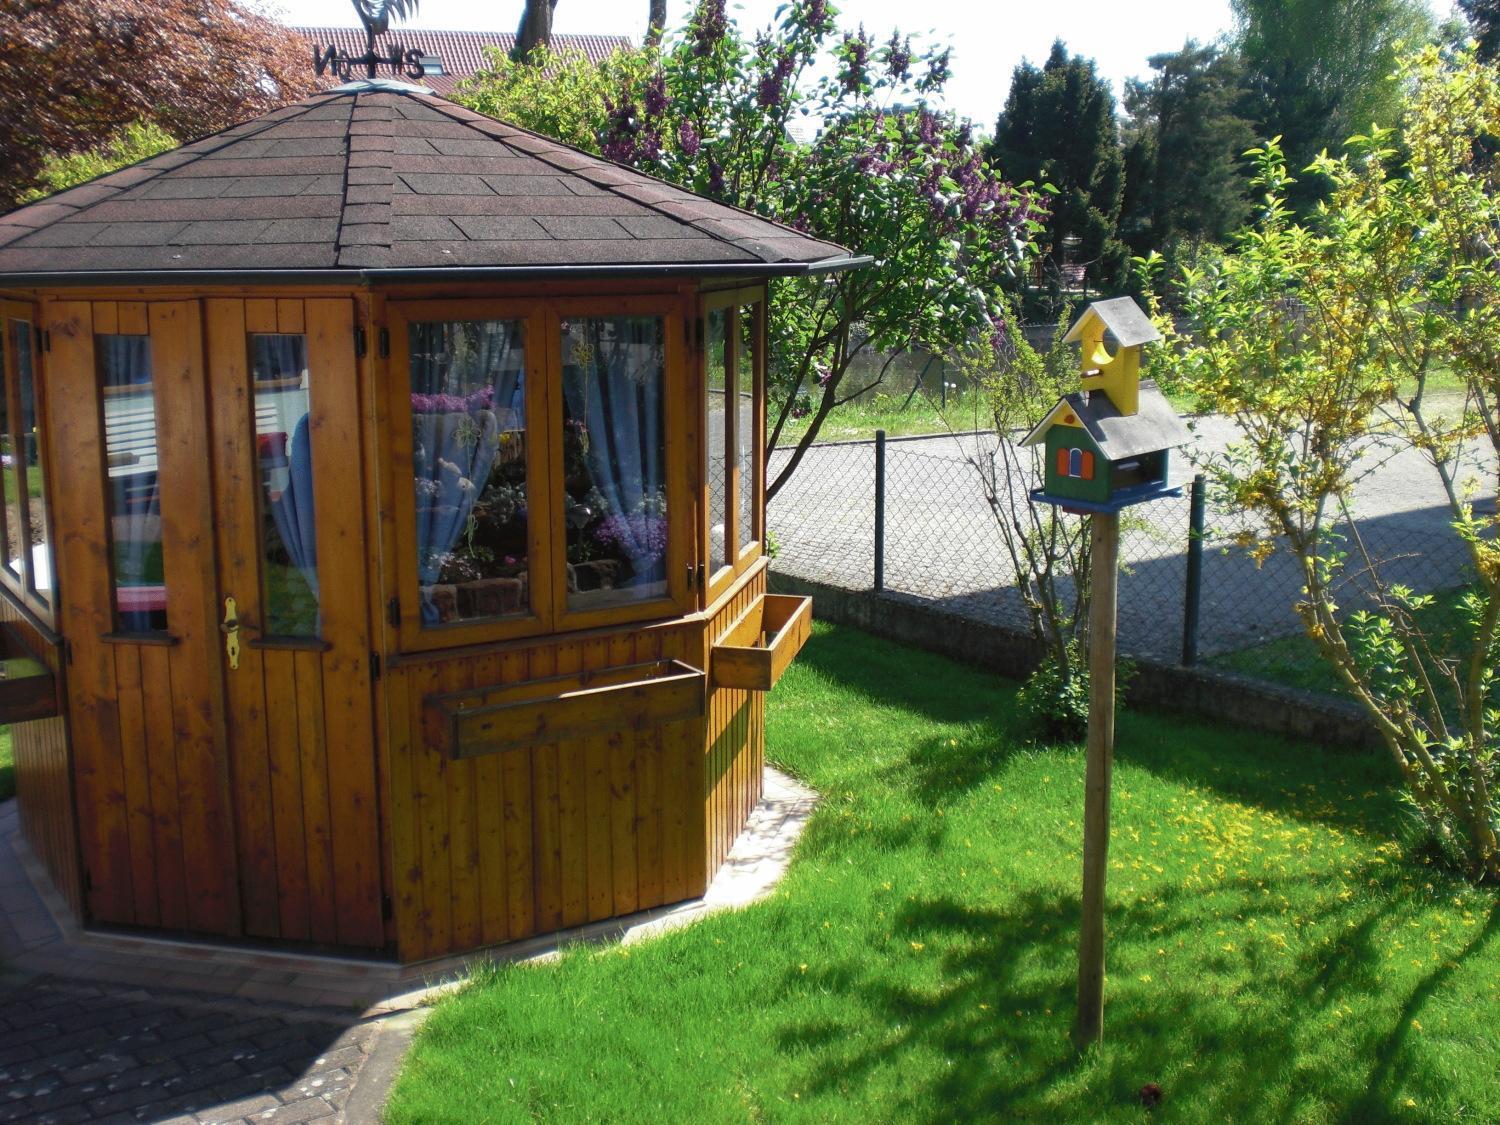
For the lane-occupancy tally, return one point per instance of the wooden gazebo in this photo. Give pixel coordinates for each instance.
(384, 518)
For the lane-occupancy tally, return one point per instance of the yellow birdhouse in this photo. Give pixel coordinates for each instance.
(1117, 375)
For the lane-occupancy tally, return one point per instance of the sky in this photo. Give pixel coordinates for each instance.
(988, 37)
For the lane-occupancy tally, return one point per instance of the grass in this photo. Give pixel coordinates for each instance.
(858, 421)
(7, 766)
(1293, 661)
(1273, 956)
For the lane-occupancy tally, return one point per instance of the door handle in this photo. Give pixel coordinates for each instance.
(231, 630)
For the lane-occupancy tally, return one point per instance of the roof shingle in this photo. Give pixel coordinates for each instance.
(383, 175)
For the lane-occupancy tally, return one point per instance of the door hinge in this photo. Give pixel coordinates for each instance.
(359, 343)
(385, 343)
(393, 613)
(387, 909)
(374, 665)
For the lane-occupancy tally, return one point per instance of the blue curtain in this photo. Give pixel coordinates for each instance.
(467, 387)
(293, 510)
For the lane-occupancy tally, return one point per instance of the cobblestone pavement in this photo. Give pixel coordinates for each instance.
(98, 1052)
(942, 544)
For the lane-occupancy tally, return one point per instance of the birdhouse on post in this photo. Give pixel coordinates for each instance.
(1108, 445)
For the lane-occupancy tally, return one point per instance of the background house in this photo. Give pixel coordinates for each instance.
(451, 56)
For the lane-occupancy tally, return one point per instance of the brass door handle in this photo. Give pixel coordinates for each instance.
(231, 630)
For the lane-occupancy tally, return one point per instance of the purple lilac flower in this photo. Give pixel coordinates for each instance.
(938, 71)
(773, 84)
(657, 99)
(709, 26)
(715, 177)
(928, 127)
(856, 60)
(688, 139)
(898, 60)
(817, 14)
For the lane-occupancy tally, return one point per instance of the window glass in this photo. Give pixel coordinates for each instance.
(717, 445)
(745, 451)
(29, 464)
(283, 454)
(133, 496)
(614, 459)
(468, 414)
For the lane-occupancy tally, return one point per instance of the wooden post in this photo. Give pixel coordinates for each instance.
(1104, 547)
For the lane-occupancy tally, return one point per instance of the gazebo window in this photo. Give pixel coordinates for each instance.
(468, 414)
(734, 333)
(133, 495)
(283, 447)
(747, 438)
(614, 462)
(717, 407)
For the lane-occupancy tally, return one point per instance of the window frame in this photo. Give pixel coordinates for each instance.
(681, 502)
(412, 634)
(23, 589)
(734, 301)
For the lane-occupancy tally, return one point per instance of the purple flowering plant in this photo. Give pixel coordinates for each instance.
(726, 112)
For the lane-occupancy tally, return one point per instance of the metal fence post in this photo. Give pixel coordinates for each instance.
(1193, 592)
(880, 509)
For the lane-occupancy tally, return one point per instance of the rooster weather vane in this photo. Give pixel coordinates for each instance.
(376, 15)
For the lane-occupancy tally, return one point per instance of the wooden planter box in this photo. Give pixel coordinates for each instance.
(758, 647)
(28, 689)
(533, 713)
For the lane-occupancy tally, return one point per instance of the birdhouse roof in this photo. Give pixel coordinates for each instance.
(383, 178)
(1126, 321)
(1153, 427)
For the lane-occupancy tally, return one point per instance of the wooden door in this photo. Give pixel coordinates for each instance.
(288, 507)
(133, 510)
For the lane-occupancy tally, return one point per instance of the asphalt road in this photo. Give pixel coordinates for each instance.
(942, 542)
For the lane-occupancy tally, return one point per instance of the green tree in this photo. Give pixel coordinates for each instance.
(564, 95)
(1321, 70)
(1058, 128)
(1186, 132)
(78, 71)
(1318, 338)
(535, 28)
(138, 141)
(1484, 25)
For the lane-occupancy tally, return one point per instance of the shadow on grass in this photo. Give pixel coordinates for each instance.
(1293, 779)
(998, 1016)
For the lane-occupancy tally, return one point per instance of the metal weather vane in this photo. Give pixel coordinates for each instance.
(376, 16)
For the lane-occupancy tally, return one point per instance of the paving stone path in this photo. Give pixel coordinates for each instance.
(95, 1052)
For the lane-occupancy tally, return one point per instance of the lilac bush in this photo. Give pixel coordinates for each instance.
(888, 175)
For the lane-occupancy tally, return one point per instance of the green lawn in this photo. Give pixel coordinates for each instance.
(1273, 956)
(7, 766)
(858, 421)
(1292, 660)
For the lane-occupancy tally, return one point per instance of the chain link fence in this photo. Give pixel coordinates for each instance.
(922, 526)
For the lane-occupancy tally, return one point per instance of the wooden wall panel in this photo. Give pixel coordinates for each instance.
(505, 846)
(86, 611)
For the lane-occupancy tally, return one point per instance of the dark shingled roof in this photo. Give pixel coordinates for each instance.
(462, 52)
(382, 176)
(1153, 426)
